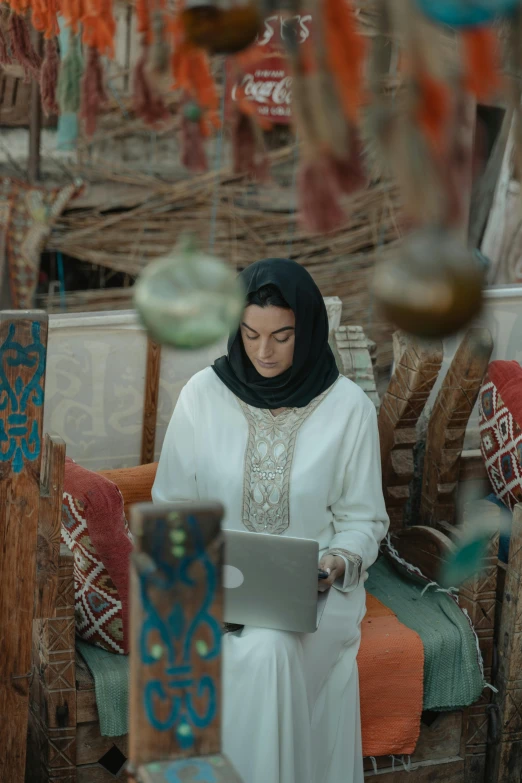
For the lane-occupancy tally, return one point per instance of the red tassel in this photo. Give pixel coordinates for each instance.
(483, 76)
(249, 158)
(319, 195)
(350, 173)
(5, 57)
(148, 106)
(434, 110)
(49, 78)
(193, 155)
(93, 91)
(22, 47)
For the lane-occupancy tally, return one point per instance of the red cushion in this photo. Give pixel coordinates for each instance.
(500, 408)
(95, 529)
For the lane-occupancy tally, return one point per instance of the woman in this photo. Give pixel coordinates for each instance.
(290, 448)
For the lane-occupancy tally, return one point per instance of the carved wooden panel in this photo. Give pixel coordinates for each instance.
(23, 341)
(505, 757)
(49, 527)
(176, 594)
(352, 352)
(417, 367)
(447, 426)
(53, 693)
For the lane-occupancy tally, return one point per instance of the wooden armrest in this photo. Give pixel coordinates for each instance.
(423, 547)
(135, 484)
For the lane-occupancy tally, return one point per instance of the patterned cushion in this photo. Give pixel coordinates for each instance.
(95, 529)
(500, 409)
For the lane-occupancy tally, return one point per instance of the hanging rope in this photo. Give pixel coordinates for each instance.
(217, 164)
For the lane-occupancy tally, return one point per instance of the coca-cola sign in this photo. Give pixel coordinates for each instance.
(267, 83)
(269, 87)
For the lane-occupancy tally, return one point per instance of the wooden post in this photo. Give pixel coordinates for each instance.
(417, 368)
(35, 120)
(23, 342)
(505, 753)
(49, 527)
(150, 404)
(447, 428)
(176, 619)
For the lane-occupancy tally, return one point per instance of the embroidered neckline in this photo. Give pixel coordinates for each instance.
(268, 464)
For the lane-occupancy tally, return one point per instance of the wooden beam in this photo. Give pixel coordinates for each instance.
(23, 345)
(150, 405)
(176, 621)
(417, 368)
(35, 119)
(447, 427)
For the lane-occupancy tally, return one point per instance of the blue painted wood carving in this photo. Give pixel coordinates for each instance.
(19, 428)
(176, 697)
(466, 13)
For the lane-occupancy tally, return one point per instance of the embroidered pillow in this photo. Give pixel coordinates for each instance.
(500, 410)
(95, 529)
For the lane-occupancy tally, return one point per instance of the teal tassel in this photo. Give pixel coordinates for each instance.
(71, 71)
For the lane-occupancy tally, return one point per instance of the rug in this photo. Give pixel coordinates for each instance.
(391, 664)
(453, 676)
(111, 686)
(27, 214)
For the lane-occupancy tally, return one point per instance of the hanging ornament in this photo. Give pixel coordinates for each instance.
(147, 103)
(189, 299)
(432, 287)
(192, 140)
(221, 26)
(49, 78)
(69, 78)
(466, 13)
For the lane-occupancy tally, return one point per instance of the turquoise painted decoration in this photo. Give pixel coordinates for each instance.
(466, 13)
(189, 299)
(466, 561)
(19, 433)
(186, 700)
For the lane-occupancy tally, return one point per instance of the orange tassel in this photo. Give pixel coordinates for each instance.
(346, 53)
(434, 109)
(483, 75)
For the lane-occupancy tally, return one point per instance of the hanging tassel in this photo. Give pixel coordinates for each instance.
(193, 155)
(433, 109)
(147, 105)
(350, 172)
(22, 48)
(249, 154)
(69, 78)
(93, 95)
(482, 69)
(5, 57)
(319, 196)
(49, 78)
(346, 49)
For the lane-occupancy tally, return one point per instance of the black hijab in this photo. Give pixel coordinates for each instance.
(314, 368)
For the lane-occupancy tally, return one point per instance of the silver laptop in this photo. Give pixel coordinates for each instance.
(271, 582)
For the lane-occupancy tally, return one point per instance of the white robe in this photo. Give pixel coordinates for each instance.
(290, 701)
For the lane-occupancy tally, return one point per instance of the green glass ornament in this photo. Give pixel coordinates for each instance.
(189, 299)
(192, 112)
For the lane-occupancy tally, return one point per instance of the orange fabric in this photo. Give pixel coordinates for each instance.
(390, 660)
(135, 484)
(391, 673)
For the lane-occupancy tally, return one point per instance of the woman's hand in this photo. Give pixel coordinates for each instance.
(335, 567)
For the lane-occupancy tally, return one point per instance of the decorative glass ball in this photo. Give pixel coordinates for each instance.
(466, 13)
(433, 285)
(189, 299)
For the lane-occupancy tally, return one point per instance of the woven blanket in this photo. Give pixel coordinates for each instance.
(111, 685)
(453, 675)
(391, 663)
(27, 214)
